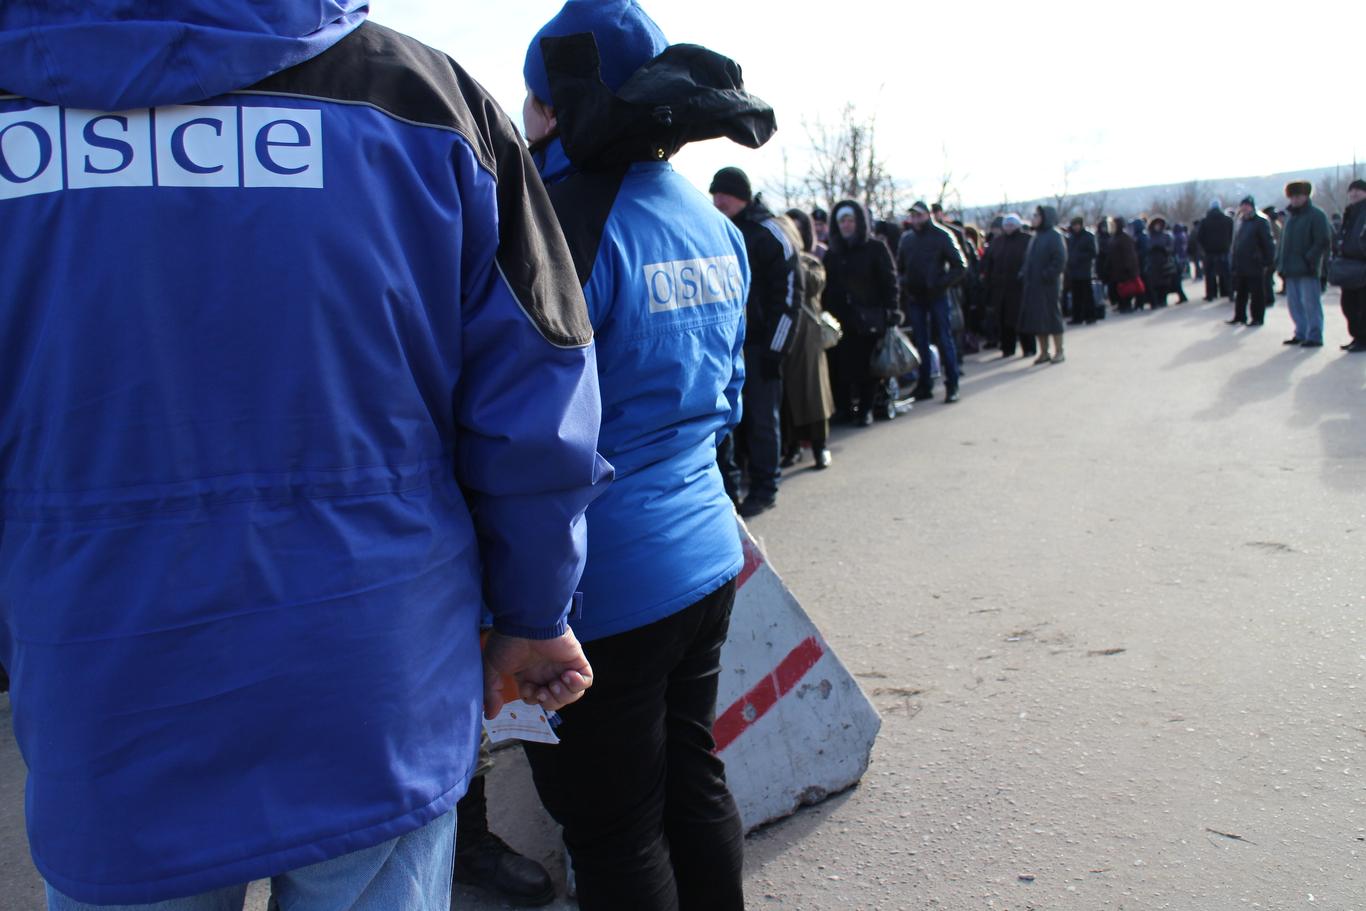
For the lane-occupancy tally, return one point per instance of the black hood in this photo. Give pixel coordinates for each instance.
(837, 242)
(686, 94)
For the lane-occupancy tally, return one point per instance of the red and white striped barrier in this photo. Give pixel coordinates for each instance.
(792, 724)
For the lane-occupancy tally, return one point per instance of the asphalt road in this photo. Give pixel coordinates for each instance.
(1114, 615)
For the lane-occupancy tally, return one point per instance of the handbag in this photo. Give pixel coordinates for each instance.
(831, 330)
(1134, 287)
(1349, 274)
(895, 355)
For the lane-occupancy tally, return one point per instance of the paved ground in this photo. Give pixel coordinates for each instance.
(1109, 609)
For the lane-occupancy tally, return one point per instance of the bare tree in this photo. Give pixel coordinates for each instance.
(1189, 203)
(845, 164)
(1094, 206)
(1062, 198)
(785, 189)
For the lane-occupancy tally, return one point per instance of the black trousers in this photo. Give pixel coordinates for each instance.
(1249, 287)
(1010, 336)
(1083, 300)
(1354, 308)
(648, 819)
(1218, 280)
(856, 352)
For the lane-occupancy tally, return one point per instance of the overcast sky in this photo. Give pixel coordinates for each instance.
(1129, 93)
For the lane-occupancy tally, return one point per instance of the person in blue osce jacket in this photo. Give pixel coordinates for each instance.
(295, 378)
(648, 819)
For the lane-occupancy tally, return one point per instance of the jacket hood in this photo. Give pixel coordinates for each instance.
(111, 55)
(837, 242)
(1050, 218)
(686, 94)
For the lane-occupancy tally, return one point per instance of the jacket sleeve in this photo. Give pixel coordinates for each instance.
(777, 278)
(1265, 243)
(884, 277)
(1320, 239)
(736, 385)
(1056, 264)
(954, 259)
(526, 403)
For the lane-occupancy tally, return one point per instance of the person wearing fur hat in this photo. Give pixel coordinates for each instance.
(1353, 248)
(1161, 271)
(1253, 251)
(648, 819)
(1305, 242)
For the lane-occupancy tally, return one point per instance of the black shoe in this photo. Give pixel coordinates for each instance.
(792, 458)
(1255, 324)
(823, 460)
(754, 506)
(1311, 344)
(923, 395)
(1293, 341)
(951, 396)
(1234, 322)
(488, 862)
(1354, 348)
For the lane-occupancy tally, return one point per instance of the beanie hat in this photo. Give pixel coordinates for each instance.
(1078, 222)
(1248, 201)
(921, 208)
(1357, 185)
(627, 40)
(819, 214)
(1299, 188)
(1012, 219)
(843, 211)
(1215, 204)
(732, 182)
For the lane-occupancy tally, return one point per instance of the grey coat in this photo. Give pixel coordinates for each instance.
(1045, 262)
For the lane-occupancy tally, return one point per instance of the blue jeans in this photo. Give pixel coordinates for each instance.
(412, 873)
(936, 317)
(1305, 296)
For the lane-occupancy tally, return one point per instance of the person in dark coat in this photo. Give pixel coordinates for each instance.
(775, 296)
(1001, 267)
(1253, 251)
(1305, 243)
(1123, 265)
(1045, 264)
(1197, 255)
(1353, 246)
(1082, 252)
(1103, 262)
(1216, 240)
(1160, 270)
(860, 291)
(931, 263)
(807, 400)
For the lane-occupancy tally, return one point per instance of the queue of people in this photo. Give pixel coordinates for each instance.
(275, 536)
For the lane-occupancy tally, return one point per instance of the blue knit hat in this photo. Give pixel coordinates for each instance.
(627, 40)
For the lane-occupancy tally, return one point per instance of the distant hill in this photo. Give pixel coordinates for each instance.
(1185, 202)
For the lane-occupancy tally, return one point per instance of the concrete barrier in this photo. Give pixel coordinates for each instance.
(792, 724)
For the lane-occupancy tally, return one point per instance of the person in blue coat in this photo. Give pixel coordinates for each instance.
(648, 819)
(296, 381)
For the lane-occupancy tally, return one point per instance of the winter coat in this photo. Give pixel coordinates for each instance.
(929, 263)
(775, 291)
(1103, 255)
(1082, 252)
(1001, 266)
(1354, 231)
(270, 450)
(1216, 233)
(1253, 249)
(860, 278)
(1045, 262)
(667, 280)
(1123, 260)
(806, 377)
(1181, 237)
(1305, 243)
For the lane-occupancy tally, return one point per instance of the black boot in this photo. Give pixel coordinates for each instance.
(483, 859)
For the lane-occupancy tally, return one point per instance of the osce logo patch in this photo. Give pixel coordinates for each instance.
(47, 149)
(693, 283)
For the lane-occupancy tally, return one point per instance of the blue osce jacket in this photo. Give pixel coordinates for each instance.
(295, 377)
(666, 280)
